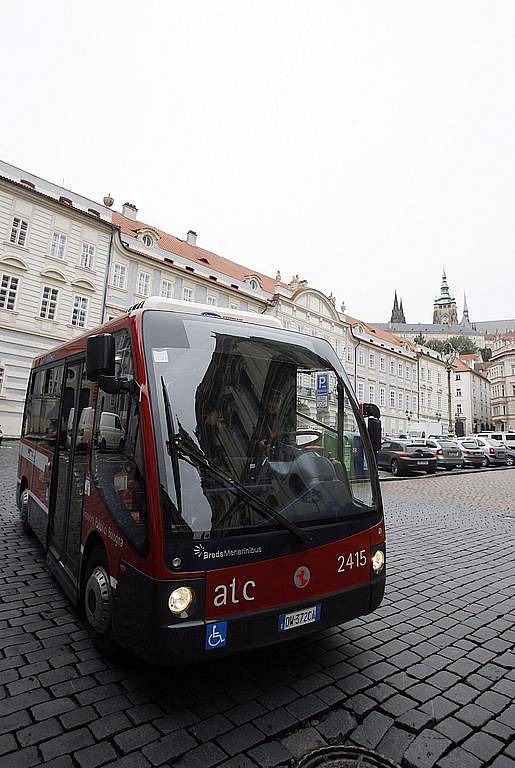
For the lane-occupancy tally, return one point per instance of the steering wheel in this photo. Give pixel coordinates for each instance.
(285, 447)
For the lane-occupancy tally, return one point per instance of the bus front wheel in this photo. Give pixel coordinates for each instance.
(97, 600)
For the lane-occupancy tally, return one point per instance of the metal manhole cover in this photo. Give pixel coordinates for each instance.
(345, 757)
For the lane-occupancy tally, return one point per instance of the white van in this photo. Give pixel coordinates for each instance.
(110, 433)
(506, 438)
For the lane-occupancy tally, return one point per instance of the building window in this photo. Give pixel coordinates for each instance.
(361, 391)
(233, 306)
(371, 393)
(439, 402)
(58, 245)
(423, 374)
(392, 399)
(211, 300)
(458, 377)
(361, 357)
(399, 370)
(381, 363)
(187, 294)
(458, 409)
(143, 283)
(399, 400)
(392, 367)
(371, 360)
(19, 231)
(148, 240)
(429, 401)
(438, 377)
(381, 396)
(80, 311)
(48, 303)
(8, 290)
(119, 275)
(86, 256)
(167, 289)
(349, 354)
(458, 392)
(407, 371)
(429, 374)
(422, 399)
(253, 283)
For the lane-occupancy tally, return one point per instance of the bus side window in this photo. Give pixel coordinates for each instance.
(118, 464)
(34, 402)
(49, 408)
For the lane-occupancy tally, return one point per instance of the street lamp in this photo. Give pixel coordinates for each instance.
(449, 356)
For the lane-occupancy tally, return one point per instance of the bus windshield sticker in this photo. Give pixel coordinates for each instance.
(160, 355)
(216, 635)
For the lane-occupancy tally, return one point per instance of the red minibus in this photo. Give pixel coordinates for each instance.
(189, 471)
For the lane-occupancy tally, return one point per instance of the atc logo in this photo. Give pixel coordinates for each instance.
(302, 576)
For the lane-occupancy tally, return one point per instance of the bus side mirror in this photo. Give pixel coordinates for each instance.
(100, 356)
(374, 432)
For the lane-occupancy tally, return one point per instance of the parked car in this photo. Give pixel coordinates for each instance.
(510, 456)
(494, 453)
(447, 452)
(400, 456)
(472, 455)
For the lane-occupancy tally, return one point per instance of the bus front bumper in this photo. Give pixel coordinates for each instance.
(188, 641)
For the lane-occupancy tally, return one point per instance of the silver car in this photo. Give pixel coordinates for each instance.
(494, 453)
(447, 452)
(472, 455)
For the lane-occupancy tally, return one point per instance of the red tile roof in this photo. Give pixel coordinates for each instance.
(379, 333)
(193, 253)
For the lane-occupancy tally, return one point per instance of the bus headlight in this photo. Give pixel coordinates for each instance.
(180, 599)
(378, 562)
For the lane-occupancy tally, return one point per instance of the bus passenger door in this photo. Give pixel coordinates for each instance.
(76, 425)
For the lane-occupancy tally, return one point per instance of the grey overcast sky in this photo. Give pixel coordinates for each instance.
(361, 144)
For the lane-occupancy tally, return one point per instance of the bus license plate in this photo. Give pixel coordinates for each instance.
(299, 618)
(422, 462)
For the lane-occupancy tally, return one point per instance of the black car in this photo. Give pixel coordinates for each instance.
(401, 456)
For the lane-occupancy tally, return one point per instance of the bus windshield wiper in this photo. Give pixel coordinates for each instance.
(171, 445)
(190, 453)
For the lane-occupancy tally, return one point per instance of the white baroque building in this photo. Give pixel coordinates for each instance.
(54, 249)
(501, 375)
(471, 396)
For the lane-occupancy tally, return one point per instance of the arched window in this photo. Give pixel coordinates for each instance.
(148, 240)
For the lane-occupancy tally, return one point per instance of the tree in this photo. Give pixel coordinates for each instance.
(486, 354)
(462, 344)
(420, 339)
(437, 344)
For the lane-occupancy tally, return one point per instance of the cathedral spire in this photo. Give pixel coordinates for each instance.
(465, 320)
(397, 313)
(401, 313)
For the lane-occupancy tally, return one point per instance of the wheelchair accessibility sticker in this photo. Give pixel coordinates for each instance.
(216, 635)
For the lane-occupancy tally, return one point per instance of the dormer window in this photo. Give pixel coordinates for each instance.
(148, 240)
(253, 283)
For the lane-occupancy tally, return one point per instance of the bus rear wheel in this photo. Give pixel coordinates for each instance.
(97, 600)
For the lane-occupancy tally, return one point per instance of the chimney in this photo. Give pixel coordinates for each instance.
(191, 237)
(130, 211)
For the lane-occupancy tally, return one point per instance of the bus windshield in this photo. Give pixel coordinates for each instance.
(257, 421)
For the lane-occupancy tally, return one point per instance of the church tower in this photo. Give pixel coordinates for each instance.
(397, 311)
(445, 311)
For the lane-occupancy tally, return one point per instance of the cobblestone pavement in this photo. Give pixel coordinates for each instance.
(429, 679)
